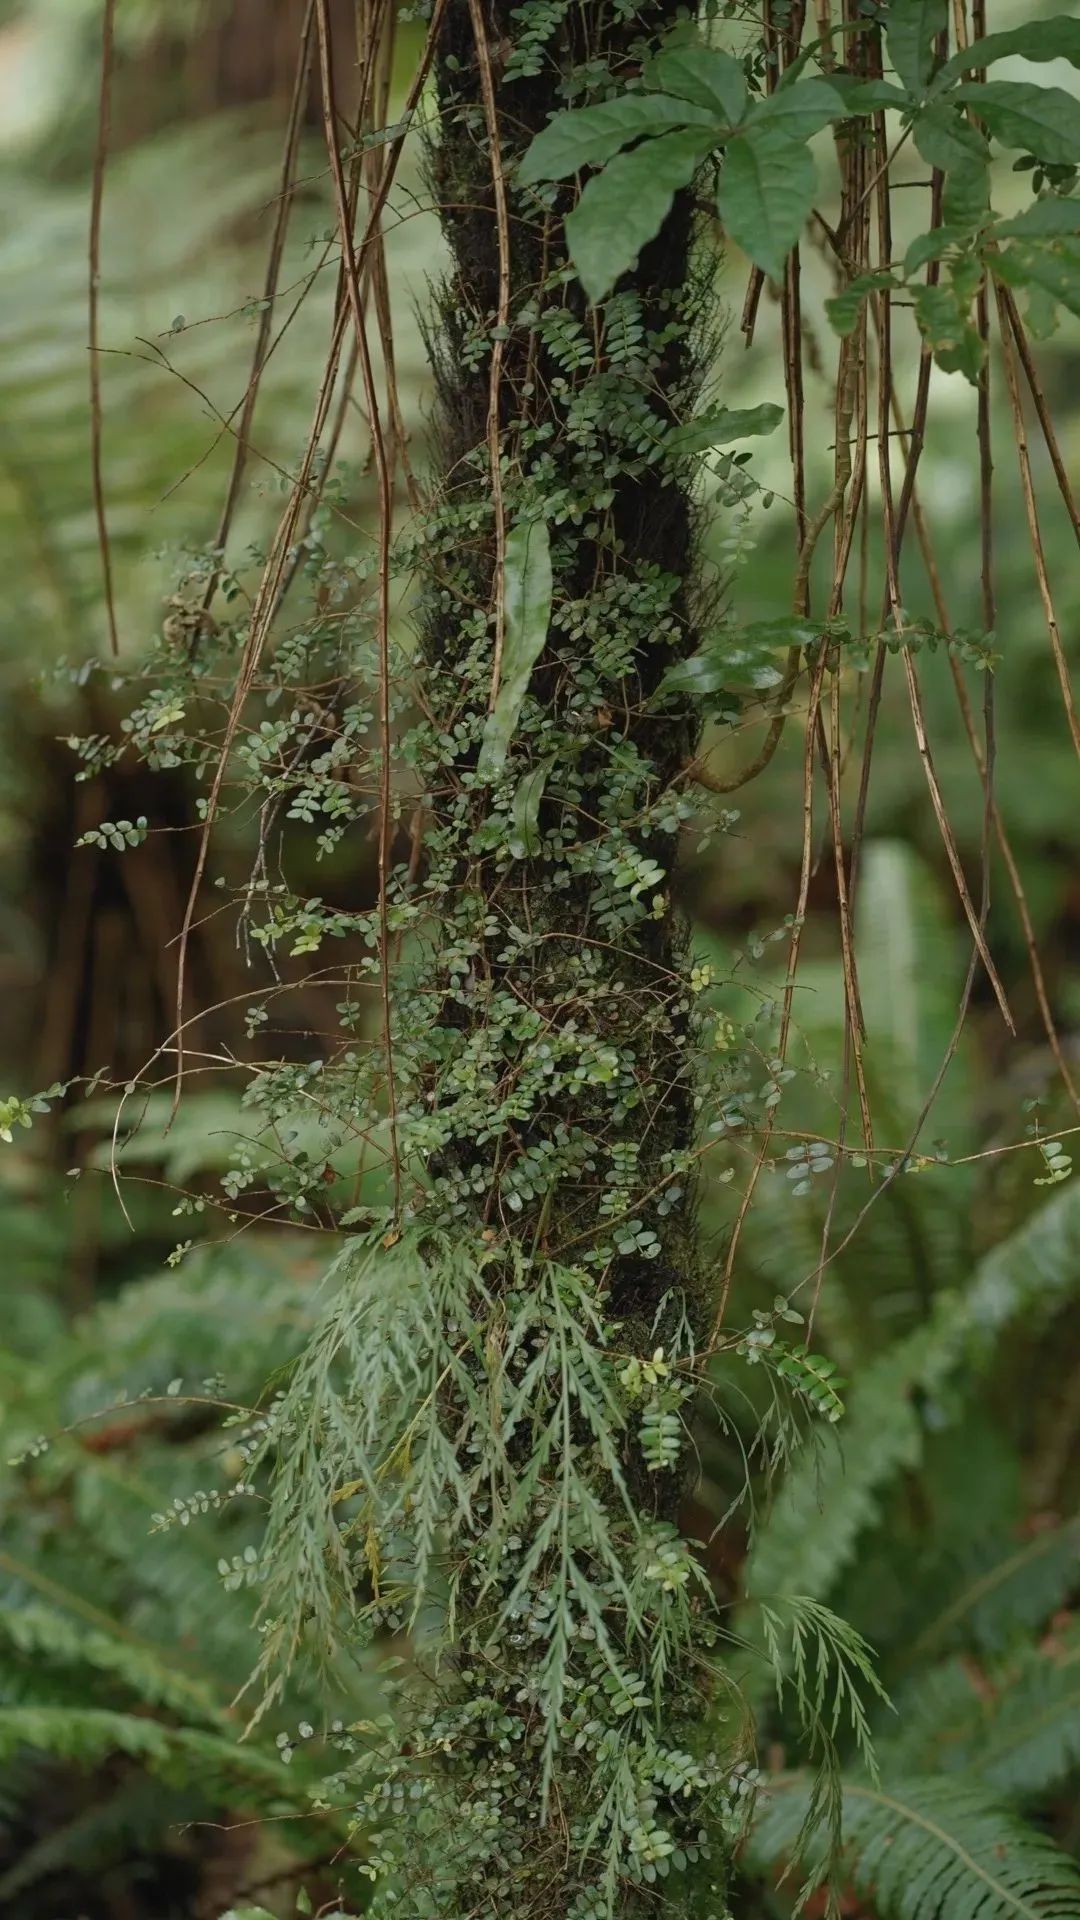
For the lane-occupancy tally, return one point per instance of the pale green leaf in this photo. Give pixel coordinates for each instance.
(912, 27)
(1054, 269)
(1044, 219)
(721, 425)
(1044, 121)
(624, 206)
(766, 192)
(706, 76)
(527, 587)
(589, 136)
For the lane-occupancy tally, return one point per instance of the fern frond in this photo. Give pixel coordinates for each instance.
(1014, 1726)
(828, 1500)
(929, 1848)
(44, 1634)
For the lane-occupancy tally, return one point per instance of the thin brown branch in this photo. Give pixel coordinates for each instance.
(97, 195)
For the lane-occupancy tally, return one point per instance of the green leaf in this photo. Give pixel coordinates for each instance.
(527, 587)
(739, 659)
(722, 425)
(1054, 270)
(945, 326)
(931, 246)
(844, 308)
(624, 206)
(1041, 40)
(1044, 121)
(966, 199)
(800, 110)
(766, 192)
(946, 140)
(868, 96)
(1043, 219)
(929, 1848)
(525, 810)
(912, 28)
(589, 136)
(706, 76)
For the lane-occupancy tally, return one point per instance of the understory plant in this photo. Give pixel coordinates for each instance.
(473, 1479)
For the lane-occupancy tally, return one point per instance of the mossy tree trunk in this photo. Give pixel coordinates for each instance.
(560, 1086)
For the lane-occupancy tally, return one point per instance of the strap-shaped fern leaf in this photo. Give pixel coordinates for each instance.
(930, 1848)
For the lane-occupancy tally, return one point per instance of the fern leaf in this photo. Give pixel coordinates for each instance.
(828, 1500)
(930, 1848)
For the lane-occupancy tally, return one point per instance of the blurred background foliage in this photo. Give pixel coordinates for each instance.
(947, 1533)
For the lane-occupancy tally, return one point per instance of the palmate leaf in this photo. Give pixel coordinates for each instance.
(1044, 121)
(766, 193)
(929, 1848)
(1040, 40)
(590, 136)
(705, 75)
(912, 27)
(624, 206)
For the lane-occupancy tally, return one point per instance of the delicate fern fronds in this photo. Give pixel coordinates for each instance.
(929, 1849)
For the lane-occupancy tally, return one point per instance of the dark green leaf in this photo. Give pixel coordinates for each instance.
(527, 586)
(800, 110)
(844, 308)
(945, 139)
(722, 425)
(766, 191)
(524, 839)
(867, 96)
(1044, 121)
(912, 28)
(1040, 40)
(624, 206)
(706, 76)
(966, 199)
(589, 136)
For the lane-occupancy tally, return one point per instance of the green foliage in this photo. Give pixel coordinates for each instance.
(930, 1850)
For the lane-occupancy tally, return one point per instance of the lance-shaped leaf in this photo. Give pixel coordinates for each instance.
(721, 425)
(1044, 219)
(524, 836)
(709, 78)
(1041, 40)
(590, 136)
(766, 191)
(527, 612)
(624, 206)
(1044, 121)
(913, 26)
